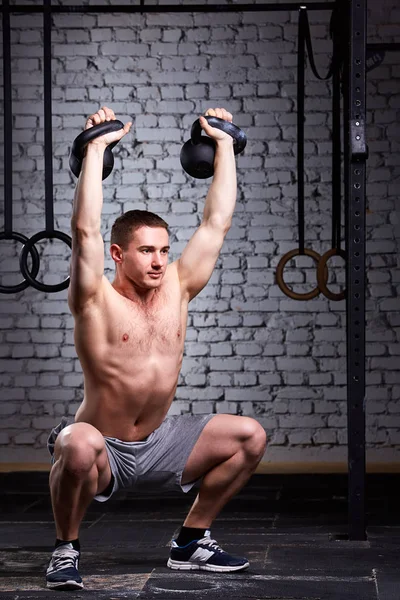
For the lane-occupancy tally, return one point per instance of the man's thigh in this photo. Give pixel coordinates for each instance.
(221, 438)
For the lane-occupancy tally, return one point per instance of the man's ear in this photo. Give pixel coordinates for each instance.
(116, 253)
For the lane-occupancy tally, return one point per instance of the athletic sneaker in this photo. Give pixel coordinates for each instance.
(204, 555)
(62, 572)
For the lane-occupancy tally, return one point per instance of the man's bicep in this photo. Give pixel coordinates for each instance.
(198, 259)
(86, 269)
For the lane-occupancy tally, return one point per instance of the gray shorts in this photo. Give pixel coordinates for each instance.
(157, 461)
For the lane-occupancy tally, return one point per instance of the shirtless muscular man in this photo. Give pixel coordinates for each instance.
(129, 337)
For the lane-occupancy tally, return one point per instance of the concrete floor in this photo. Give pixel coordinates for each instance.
(291, 527)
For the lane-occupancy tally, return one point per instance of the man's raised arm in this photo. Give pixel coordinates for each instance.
(221, 198)
(198, 259)
(87, 261)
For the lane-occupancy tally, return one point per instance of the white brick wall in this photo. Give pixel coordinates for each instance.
(250, 350)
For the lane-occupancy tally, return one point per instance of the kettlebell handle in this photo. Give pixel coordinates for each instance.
(82, 140)
(239, 137)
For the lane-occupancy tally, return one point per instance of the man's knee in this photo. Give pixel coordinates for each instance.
(254, 438)
(78, 447)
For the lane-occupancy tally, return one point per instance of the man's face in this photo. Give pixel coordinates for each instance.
(146, 259)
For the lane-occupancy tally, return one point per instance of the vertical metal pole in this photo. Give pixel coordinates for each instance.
(355, 155)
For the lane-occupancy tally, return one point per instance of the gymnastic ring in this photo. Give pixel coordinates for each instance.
(19, 237)
(43, 287)
(320, 269)
(279, 274)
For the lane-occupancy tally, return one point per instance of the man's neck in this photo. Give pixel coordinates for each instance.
(141, 296)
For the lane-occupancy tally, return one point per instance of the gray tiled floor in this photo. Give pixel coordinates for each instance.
(292, 528)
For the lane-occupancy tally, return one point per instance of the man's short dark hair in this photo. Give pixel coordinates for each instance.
(125, 226)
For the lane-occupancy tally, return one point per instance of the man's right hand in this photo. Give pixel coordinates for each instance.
(106, 114)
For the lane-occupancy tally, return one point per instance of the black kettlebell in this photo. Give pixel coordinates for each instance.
(78, 146)
(197, 154)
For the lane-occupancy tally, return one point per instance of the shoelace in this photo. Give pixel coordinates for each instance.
(63, 558)
(213, 543)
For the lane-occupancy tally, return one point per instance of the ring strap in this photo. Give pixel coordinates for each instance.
(303, 20)
(304, 40)
(8, 189)
(336, 151)
(49, 232)
(300, 125)
(48, 139)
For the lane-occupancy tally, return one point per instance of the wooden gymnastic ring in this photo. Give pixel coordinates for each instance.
(322, 267)
(279, 274)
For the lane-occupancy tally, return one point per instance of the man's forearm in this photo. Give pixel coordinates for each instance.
(221, 197)
(88, 199)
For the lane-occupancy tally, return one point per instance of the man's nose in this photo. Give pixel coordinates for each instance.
(157, 260)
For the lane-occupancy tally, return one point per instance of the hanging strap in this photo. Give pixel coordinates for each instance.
(337, 61)
(300, 124)
(49, 232)
(304, 41)
(8, 190)
(48, 140)
(307, 36)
